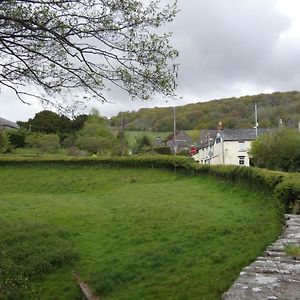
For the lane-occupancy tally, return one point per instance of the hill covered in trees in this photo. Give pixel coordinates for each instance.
(232, 112)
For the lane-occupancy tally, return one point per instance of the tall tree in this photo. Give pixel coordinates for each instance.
(48, 122)
(95, 136)
(86, 46)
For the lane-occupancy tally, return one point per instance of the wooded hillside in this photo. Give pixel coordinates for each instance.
(233, 112)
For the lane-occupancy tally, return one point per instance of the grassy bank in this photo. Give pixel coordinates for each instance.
(136, 233)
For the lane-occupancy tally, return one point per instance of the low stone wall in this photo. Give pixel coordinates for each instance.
(274, 275)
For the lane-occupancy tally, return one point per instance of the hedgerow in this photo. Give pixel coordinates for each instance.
(286, 186)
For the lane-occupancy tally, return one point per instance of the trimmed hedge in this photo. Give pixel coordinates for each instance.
(288, 190)
(286, 186)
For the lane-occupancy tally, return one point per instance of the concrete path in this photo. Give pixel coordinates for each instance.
(274, 276)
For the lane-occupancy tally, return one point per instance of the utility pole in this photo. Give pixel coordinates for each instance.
(256, 122)
(174, 130)
(123, 137)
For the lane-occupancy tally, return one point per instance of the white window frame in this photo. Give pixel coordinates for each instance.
(241, 160)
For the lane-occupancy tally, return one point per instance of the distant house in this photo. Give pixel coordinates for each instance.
(182, 141)
(227, 146)
(6, 124)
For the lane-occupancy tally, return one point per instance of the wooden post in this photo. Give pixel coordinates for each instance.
(85, 289)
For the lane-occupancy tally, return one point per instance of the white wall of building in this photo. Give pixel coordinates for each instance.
(225, 153)
(231, 153)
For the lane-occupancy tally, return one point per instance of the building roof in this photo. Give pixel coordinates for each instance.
(207, 137)
(8, 124)
(182, 133)
(242, 133)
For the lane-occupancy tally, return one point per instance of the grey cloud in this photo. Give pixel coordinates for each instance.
(227, 48)
(223, 42)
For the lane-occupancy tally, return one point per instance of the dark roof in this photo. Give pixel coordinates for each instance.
(242, 133)
(6, 123)
(178, 132)
(207, 137)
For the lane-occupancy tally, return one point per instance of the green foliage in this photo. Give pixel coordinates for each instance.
(164, 150)
(44, 142)
(17, 137)
(39, 52)
(28, 251)
(50, 122)
(233, 112)
(95, 136)
(142, 144)
(289, 191)
(78, 122)
(4, 142)
(47, 122)
(134, 136)
(278, 150)
(258, 178)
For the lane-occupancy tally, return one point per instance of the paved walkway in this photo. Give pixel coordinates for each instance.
(274, 276)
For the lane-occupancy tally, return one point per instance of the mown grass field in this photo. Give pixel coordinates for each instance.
(130, 233)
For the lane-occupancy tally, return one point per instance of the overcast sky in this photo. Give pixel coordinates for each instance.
(227, 48)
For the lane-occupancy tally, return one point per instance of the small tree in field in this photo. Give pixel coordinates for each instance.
(95, 136)
(279, 150)
(142, 143)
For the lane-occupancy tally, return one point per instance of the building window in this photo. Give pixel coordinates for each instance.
(242, 146)
(241, 160)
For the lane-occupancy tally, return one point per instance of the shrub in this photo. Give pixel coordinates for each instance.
(164, 150)
(29, 251)
(289, 191)
(4, 142)
(143, 144)
(278, 150)
(95, 137)
(17, 137)
(45, 142)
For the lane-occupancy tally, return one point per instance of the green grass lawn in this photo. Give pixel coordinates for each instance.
(130, 233)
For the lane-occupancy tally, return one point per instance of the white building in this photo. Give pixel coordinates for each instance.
(227, 146)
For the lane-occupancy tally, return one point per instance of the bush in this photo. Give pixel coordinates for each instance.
(95, 136)
(17, 137)
(278, 150)
(289, 191)
(4, 142)
(164, 150)
(143, 144)
(45, 142)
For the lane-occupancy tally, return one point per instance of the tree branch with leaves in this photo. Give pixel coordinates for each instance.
(83, 47)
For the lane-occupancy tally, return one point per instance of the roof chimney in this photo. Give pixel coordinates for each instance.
(220, 127)
(281, 123)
